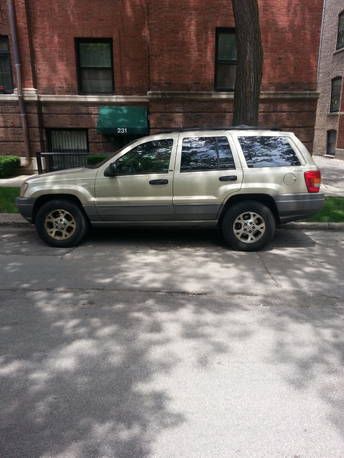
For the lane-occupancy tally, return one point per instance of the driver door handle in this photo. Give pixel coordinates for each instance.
(157, 182)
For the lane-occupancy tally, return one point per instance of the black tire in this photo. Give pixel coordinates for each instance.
(247, 226)
(72, 222)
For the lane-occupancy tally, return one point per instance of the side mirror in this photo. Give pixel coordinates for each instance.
(111, 170)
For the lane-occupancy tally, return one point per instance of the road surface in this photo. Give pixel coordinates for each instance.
(163, 343)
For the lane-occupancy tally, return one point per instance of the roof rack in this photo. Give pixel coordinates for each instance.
(201, 129)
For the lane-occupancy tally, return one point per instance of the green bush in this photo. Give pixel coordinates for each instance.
(8, 166)
(95, 159)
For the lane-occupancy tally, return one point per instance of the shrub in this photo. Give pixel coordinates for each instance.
(95, 159)
(8, 166)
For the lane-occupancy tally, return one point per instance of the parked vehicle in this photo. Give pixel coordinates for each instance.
(247, 181)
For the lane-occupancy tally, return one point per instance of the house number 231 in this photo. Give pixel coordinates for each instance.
(122, 130)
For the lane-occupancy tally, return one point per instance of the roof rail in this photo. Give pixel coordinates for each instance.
(201, 129)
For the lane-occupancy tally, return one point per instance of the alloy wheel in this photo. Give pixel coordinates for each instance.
(249, 227)
(60, 224)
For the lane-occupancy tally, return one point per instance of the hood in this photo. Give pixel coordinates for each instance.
(67, 174)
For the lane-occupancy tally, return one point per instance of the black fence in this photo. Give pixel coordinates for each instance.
(50, 162)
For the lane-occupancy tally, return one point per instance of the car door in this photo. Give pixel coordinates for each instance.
(207, 172)
(141, 190)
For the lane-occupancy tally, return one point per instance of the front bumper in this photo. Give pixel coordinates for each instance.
(298, 206)
(25, 207)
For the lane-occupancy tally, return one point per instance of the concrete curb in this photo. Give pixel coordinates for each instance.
(16, 220)
(314, 226)
(12, 219)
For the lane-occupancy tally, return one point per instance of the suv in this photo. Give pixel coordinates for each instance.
(247, 181)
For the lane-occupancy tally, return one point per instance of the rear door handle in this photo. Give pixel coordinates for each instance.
(157, 182)
(228, 178)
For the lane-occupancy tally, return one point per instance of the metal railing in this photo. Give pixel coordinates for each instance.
(52, 161)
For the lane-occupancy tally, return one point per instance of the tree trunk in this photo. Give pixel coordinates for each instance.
(250, 62)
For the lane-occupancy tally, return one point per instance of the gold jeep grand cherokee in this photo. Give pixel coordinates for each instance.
(247, 181)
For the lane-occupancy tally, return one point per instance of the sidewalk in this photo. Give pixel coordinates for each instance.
(14, 182)
(12, 219)
(332, 171)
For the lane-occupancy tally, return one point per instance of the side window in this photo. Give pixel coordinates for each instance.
(206, 153)
(268, 152)
(150, 157)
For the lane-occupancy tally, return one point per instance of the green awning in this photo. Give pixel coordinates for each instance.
(123, 120)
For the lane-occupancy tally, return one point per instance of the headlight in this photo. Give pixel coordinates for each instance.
(23, 188)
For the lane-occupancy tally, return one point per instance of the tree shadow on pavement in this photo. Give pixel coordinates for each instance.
(98, 368)
(70, 376)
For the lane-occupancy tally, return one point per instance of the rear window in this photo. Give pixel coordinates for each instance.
(206, 153)
(268, 152)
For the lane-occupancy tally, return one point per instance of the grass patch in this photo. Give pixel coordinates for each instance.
(332, 212)
(8, 200)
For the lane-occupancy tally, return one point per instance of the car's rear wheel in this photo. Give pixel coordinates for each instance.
(248, 226)
(61, 223)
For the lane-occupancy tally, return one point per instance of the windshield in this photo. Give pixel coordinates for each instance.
(109, 156)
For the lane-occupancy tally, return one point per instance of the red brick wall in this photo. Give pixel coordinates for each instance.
(183, 42)
(181, 57)
(291, 36)
(55, 24)
(294, 115)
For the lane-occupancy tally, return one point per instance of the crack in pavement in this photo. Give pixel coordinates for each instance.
(237, 294)
(260, 257)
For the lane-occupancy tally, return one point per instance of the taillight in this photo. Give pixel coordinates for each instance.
(313, 180)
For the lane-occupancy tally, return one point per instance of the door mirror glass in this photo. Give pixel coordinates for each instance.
(111, 170)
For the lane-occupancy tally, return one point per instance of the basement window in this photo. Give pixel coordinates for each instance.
(67, 140)
(6, 80)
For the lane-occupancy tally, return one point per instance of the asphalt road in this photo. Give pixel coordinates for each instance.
(163, 343)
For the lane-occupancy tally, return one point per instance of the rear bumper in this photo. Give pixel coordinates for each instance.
(298, 206)
(25, 207)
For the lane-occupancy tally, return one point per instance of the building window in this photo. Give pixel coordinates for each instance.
(67, 140)
(340, 37)
(335, 94)
(6, 81)
(225, 60)
(95, 65)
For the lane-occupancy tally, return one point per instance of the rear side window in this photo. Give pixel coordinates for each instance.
(206, 153)
(268, 152)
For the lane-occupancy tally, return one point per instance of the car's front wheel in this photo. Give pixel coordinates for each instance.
(61, 223)
(248, 226)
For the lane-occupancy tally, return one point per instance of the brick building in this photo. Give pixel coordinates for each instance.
(96, 73)
(329, 137)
